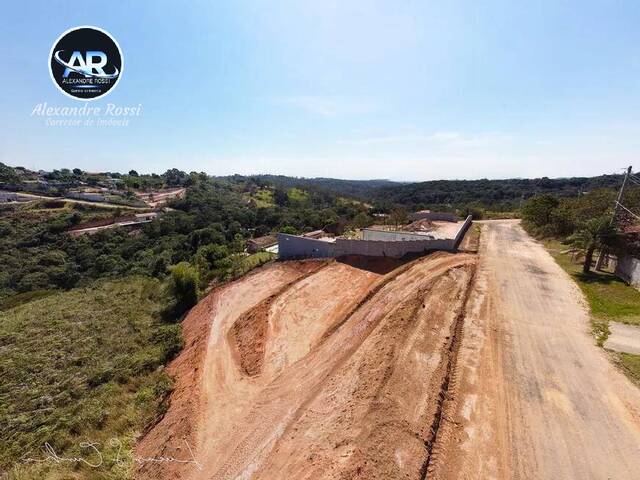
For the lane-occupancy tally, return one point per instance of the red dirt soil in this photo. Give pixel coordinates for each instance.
(169, 438)
(314, 370)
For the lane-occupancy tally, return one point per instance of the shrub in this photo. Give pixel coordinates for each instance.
(537, 210)
(182, 289)
(34, 281)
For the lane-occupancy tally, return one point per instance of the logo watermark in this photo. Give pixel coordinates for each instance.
(93, 456)
(86, 63)
(87, 115)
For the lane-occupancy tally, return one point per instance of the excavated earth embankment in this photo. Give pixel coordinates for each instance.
(316, 370)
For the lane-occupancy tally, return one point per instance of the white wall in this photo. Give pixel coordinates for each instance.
(628, 269)
(293, 246)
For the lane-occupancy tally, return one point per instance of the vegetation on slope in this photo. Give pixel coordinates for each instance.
(86, 323)
(82, 366)
(208, 228)
(495, 195)
(467, 196)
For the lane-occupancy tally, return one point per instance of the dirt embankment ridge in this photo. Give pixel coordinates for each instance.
(315, 370)
(175, 434)
(451, 366)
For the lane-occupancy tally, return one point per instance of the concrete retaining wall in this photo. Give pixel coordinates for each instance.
(293, 246)
(378, 248)
(462, 232)
(628, 269)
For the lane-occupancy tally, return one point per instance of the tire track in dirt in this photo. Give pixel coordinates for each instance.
(439, 434)
(182, 421)
(274, 417)
(247, 335)
(355, 397)
(537, 399)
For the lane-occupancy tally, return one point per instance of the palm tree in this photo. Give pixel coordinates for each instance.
(593, 234)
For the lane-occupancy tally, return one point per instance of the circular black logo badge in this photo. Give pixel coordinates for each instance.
(85, 63)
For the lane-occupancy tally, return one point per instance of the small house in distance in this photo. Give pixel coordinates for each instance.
(261, 243)
(147, 217)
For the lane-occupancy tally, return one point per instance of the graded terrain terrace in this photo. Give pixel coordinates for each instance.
(316, 369)
(448, 366)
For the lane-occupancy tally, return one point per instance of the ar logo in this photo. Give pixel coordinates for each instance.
(85, 65)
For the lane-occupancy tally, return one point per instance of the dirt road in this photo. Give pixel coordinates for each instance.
(81, 202)
(536, 398)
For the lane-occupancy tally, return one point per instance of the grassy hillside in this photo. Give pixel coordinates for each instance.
(81, 366)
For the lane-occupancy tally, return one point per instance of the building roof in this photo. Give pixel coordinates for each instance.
(264, 241)
(315, 233)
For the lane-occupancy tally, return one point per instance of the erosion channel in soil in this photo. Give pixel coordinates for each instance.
(316, 370)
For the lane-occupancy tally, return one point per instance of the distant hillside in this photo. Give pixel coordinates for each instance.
(493, 194)
(359, 189)
(497, 195)
(505, 193)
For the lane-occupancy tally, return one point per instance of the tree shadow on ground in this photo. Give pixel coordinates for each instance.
(598, 278)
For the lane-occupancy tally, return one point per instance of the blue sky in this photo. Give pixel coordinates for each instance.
(406, 90)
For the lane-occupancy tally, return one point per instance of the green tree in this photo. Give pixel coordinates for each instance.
(362, 220)
(593, 234)
(281, 197)
(398, 216)
(211, 260)
(537, 210)
(562, 220)
(159, 267)
(8, 174)
(183, 289)
(289, 230)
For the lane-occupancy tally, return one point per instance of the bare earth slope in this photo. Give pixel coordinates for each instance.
(334, 370)
(537, 399)
(372, 369)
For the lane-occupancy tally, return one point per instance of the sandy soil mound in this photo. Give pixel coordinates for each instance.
(248, 334)
(335, 372)
(423, 225)
(175, 434)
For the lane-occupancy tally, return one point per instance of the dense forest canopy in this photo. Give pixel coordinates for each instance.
(496, 195)
(500, 195)
(207, 228)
